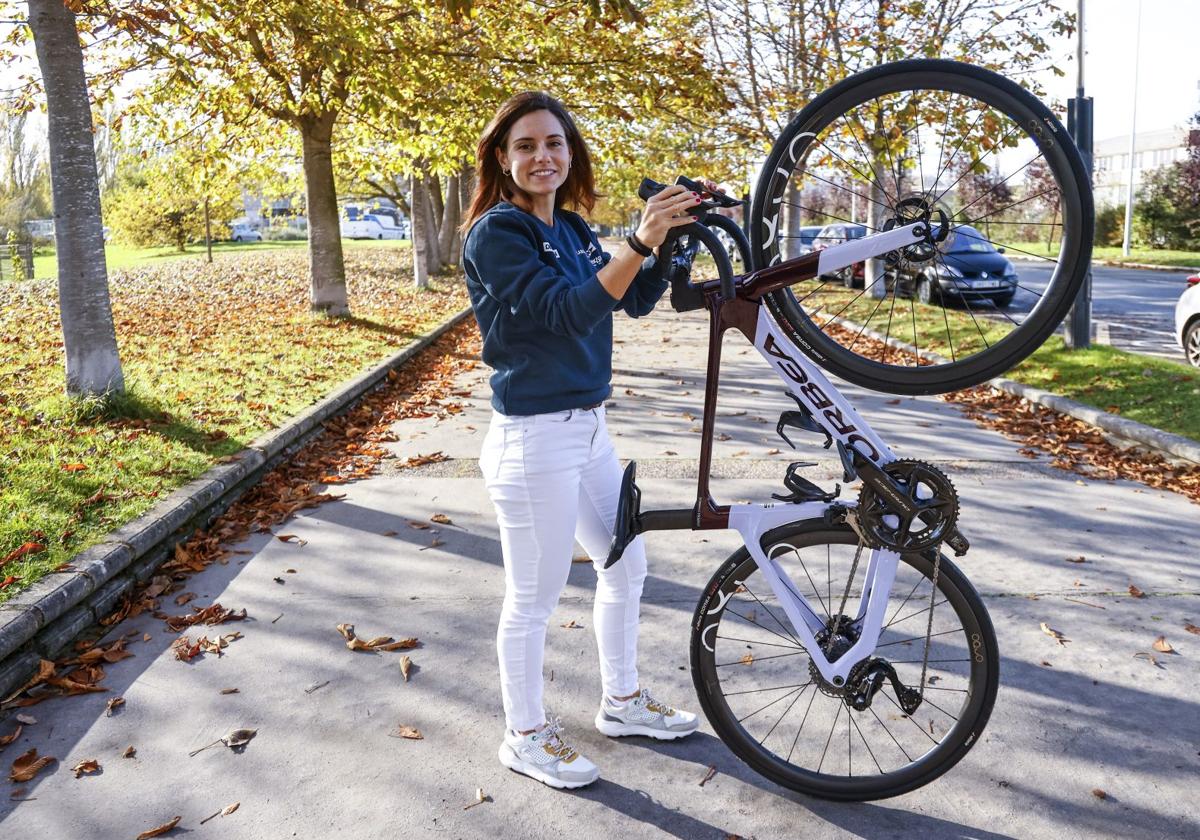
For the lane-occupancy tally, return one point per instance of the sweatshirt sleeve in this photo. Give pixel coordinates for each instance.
(645, 290)
(502, 256)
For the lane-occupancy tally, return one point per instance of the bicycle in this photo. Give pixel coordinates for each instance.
(935, 679)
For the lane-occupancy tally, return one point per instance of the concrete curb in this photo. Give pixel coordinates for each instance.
(40, 622)
(1164, 443)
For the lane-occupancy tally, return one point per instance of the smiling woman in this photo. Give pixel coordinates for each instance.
(543, 291)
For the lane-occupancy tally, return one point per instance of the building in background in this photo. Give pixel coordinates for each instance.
(1111, 162)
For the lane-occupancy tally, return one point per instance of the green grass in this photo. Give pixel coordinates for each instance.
(1156, 392)
(1148, 256)
(116, 257)
(213, 356)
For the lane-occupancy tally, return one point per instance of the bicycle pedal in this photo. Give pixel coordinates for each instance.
(957, 542)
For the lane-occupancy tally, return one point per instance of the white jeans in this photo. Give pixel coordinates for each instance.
(554, 478)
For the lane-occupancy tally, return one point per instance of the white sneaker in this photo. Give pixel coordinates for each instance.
(544, 756)
(643, 715)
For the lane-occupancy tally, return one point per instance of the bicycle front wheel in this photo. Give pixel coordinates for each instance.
(770, 705)
(1008, 204)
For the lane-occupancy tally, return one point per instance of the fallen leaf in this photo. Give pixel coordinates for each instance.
(403, 731)
(420, 526)
(441, 519)
(1149, 656)
(405, 665)
(1162, 645)
(572, 625)
(28, 720)
(159, 830)
(1079, 559)
(229, 691)
(389, 533)
(712, 771)
(1099, 794)
(5, 740)
(88, 765)
(1191, 628)
(434, 544)
(224, 812)
(1054, 634)
(112, 704)
(74, 467)
(1135, 592)
(22, 551)
(287, 538)
(479, 799)
(236, 738)
(29, 765)
(130, 752)
(748, 659)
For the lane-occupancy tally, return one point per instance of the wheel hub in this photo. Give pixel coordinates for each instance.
(919, 208)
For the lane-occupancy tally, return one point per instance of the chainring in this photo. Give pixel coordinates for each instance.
(935, 497)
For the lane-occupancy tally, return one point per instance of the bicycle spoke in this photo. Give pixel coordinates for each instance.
(940, 709)
(888, 730)
(769, 705)
(782, 626)
(797, 644)
(828, 215)
(916, 638)
(803, 720)
(781, 717)
(836, 715)
(753, 641)
(772, 688)
(908, 716)
(870, 751)
(762, 659)
(918, 612)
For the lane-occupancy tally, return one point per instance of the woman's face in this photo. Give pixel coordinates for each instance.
(537, 153)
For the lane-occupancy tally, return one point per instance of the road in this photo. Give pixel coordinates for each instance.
(1132, 309)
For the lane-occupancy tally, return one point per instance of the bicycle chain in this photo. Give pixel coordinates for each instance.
(937, 565)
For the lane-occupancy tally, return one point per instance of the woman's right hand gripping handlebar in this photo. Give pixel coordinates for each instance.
(670, 208)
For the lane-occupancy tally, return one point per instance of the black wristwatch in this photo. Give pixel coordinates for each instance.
(637, 245)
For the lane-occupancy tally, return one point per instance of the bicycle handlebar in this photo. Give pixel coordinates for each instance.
(680, 274)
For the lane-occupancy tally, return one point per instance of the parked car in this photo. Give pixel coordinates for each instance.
(1187, 320)
(244, 233)
(836, 234)
(807, 234)
(970, 269)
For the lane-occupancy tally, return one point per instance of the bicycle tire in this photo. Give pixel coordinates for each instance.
(719, 602)
(1005, 98)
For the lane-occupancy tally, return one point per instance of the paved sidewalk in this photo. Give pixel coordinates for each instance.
(322, 764)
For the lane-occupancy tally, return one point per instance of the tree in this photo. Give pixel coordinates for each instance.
(161, 203)
(24, 176)
(93, 365)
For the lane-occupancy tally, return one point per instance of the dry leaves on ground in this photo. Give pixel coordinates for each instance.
(405, 666)
(29, 765)
(378, 643)
(405, 731)
(88, 765)
(160, 830)
(234, 739)
(1135, 592)
(1162, 645)
(1054, 634)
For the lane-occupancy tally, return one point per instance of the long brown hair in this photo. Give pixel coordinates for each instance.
(493, 186)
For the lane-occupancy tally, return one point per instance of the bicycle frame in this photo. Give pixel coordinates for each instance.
(828, 408)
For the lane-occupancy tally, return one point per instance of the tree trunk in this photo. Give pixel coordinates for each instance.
(789, 244)
(448, 239)
(436, 201)
(207, 231)
(326, 267)
(89, 339)
(466, 188)
(874, 272)
(424, 263)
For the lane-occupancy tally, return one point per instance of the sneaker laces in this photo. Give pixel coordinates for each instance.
(551, 738)
(652, 704)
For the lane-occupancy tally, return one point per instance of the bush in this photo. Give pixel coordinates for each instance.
(283, 234)
(1110, 226)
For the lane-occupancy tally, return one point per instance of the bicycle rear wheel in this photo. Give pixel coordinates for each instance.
(770, 706)
(979, 158)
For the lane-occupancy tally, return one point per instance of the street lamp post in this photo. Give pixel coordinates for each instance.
(1137, 49)
(1077, 331)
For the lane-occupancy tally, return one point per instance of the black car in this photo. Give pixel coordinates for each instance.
(971, 269)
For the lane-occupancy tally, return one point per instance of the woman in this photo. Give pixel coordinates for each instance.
(543, 292)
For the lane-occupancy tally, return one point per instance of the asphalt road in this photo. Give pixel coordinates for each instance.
(1132, 309)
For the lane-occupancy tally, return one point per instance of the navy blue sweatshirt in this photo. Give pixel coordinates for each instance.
(545, 319)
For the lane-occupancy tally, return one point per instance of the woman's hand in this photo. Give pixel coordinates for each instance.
(671, 208)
